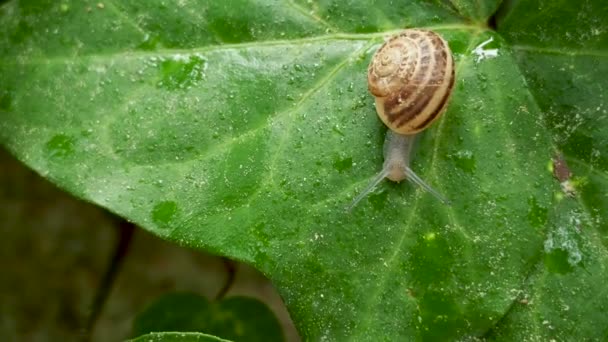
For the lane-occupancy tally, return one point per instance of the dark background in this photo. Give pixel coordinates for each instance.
(60, 273)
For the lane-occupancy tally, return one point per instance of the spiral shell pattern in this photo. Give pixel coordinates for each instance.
(411, 77)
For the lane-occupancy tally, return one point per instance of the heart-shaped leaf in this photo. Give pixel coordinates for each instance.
(245, 129)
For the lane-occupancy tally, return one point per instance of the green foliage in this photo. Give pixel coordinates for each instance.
(233, 318)
(245, 129)
(177, 337)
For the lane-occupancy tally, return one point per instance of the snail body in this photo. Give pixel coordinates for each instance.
(411, 77)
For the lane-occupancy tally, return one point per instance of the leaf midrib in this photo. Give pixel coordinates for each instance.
(560, 51)
(159, 53)
(394, 252)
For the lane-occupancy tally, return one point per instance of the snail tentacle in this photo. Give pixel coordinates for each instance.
(413, 177)
(369, 188)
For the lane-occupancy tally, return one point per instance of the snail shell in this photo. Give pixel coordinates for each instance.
(412, 77)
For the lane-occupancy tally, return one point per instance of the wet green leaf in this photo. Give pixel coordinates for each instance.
(563, 55)
(246, 128)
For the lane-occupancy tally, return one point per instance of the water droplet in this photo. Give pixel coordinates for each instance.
(6, 100)
(149, 43)
(537, 215)
(60, 146)
(343, 164)
(556, 261)
(181, 72)
(430, 236)
(163, 213)
(359, 103)
(378, 200)
(562, 246)
(465, 160)
(337, 129)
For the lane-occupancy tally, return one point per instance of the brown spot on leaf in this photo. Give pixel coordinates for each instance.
(561, 171)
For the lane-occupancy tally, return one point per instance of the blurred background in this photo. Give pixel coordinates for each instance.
(71, 271)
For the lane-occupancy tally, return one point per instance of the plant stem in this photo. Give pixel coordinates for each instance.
(125, 231)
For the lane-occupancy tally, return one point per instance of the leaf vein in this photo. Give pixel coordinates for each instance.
(397, 249)
(555, 147)
(114, 8)
(311, 15)
(557, 51)
(127, 55)
(602, 174)
(269, 178)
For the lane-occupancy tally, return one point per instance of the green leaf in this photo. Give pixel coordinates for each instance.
(564, 57)
(245, 129)
(479, 10)
(564, 296)
(177, 337)
(233, 318)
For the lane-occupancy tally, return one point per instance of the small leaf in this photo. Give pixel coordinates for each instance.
(233, 318)
(177, 337)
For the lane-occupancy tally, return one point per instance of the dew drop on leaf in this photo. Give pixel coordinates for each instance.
(6, 100)
(465, 160)
(149, 43)
(343, 164)
(164, 212)
(60, 145)
(180, 72)
(537, 215)
(556, 261)
(378, 200)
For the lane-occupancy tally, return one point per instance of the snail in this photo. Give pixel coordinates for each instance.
(411, 77)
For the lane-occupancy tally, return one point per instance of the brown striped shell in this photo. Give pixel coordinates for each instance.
(412, 77)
